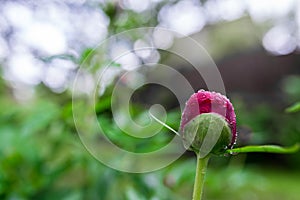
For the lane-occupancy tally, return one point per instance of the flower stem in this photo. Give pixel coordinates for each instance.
(199, 179)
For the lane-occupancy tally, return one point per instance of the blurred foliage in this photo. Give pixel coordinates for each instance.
(291, 87)
(294, 108)
(43, 158)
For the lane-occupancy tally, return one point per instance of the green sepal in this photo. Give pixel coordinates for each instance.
(207, 133)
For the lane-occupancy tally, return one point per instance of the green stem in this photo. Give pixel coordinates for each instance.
(200, 175)
(265, 149)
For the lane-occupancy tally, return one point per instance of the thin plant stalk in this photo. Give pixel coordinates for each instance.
(200, 175)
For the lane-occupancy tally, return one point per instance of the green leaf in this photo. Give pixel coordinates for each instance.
(294, 108)
(265, 149)
(103, 104)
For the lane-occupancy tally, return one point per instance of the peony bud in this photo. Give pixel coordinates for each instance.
(208, 113)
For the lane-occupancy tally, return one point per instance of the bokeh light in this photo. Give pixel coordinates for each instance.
(32, 31)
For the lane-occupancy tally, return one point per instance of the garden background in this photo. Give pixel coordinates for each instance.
(255, 44)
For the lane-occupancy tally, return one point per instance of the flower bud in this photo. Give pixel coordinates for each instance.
(208, 123)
